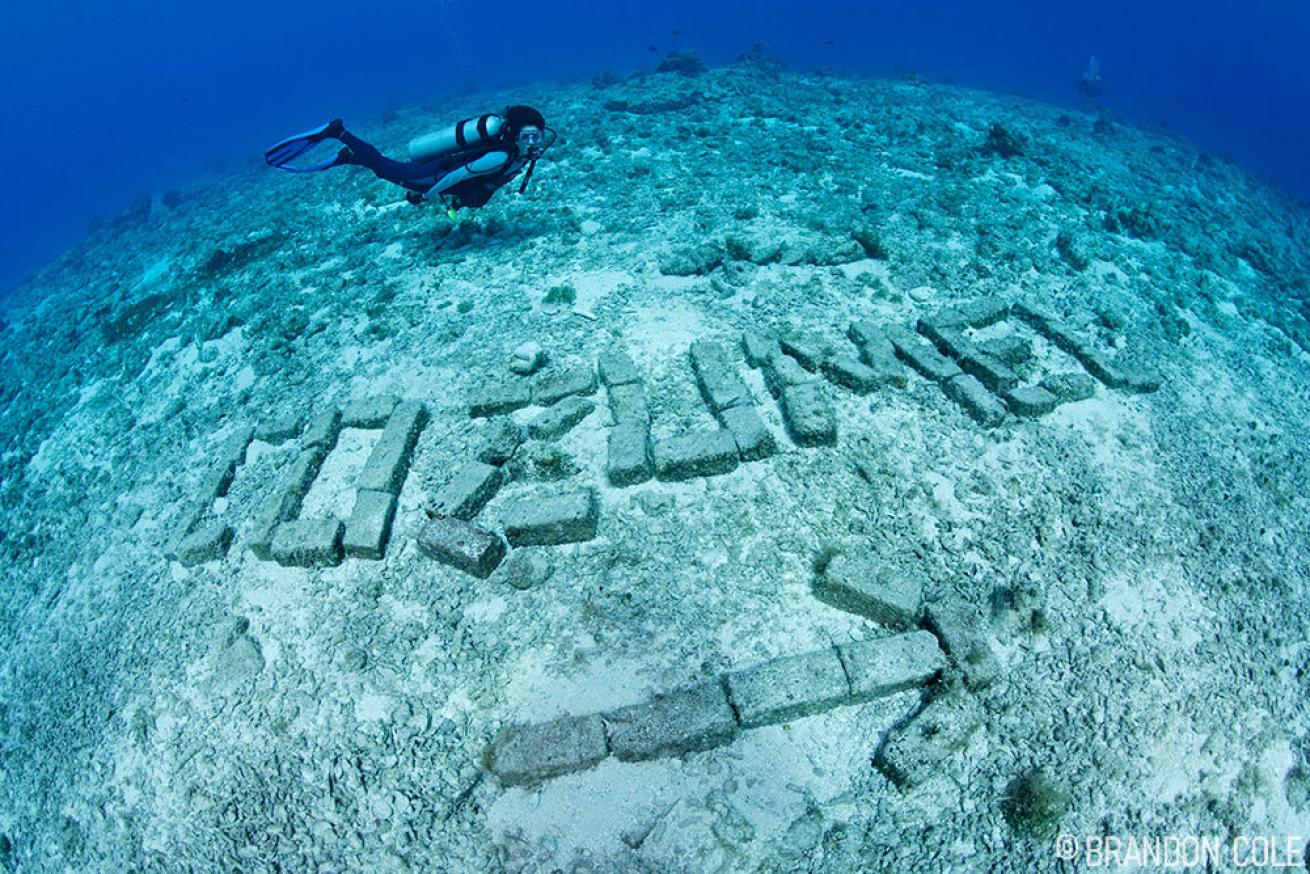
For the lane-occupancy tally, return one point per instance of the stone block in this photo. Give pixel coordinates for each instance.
(616, 368)
(499, 397)
(1139, 380)
(628, 461)
(308, 543)
(370, 412)
(788, 688)
(628, 403)
(467, 492)
(1043, 321)
(1012, 350)
(279, 506)
(808, 414)
(871, 340)
(501, 438)
(546, 521)
(559, 419)
(1068, 386)
(758, 349)
(981, 405)
(848, 372)
(716, 377)
(1030, 400)
(888, 665)
(559, 384)
(217, 482)
(388, 463)
(523, 754)
(369, 527)
(754, 440)
(208, 543)
(280, 429)
(685, 720)
(982, 313)
(991, 372)
(948, 339)
(186, 521)
(809, 352)
(322, 432)
(922, 748)
(864, 586)
(299, 478)
(462, 545)
(694, 453)
(783, 371)
(920, 355)
(962, 636)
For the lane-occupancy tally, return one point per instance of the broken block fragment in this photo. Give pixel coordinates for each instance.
(308, 543)
(559, 384)
(468, 491)
(462, 545)
(717, 379)
(208, 543)
(529, 753)
(1069, 387)
(1030, 400)
(558, 420)
(628, 461)
(369, 527)
(694, 453)
(388, 463)
(498, 398)
(672, 723)
(788, 688)
(754, 440)
(862, 585)
(808, 414)
(500, 440)
(888, 665)
(922, 748)
(547, 521)
(981, 405)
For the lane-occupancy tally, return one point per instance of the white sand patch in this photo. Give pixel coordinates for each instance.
(373, 707)
(486, 610)
(657, 334)
(1162, 603)
(333, 492)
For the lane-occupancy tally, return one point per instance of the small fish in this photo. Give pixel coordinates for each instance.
(652, 48)
(830, 42)
(678, 31)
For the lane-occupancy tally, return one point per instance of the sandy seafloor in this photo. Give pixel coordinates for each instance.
(1139, 559)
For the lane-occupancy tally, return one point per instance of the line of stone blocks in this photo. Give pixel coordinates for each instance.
(995, 374)
(388, 463)
(468, 490)
(571, 517)
(191, 543)
(284, 503)
(877, 353)
(462, 545)
(628, 403)
(231, 455)
(1098, 365)
(558, 420)
(369, 527)
(705, 715)
(716, 377)
(702, 452)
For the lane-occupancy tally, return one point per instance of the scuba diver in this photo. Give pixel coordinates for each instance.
(461, 166)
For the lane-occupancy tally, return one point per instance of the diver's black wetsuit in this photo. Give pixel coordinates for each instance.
(415, 175)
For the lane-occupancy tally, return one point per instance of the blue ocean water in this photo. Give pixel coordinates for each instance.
(104, 102)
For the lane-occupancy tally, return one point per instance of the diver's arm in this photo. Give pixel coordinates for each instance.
(492, 162)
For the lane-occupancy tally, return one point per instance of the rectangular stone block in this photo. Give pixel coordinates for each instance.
(388, 463)
(559, 419)
(922, 748)
(716, 377)
(500, 440)
(685, 720)
(279, 429)
(759, 349)
(308, 543)
(233, 451)
(499, 397)
(991, 372)
(695, 453)
(788, 688)
(871, 340)
(920, 355)
(754, 440)
(231, 455)
(547, 521)
(961, 634)
(1042, 320)
(462, 545)
(782, 371)
(616, 368)
(848, 372)
(864, 586)
(628, 403)
(275, 509)
(876, 668)
(371, 412)
(1030, 400)
(208, 543)
(982, 313)
(559, 384)
(1012, 350)
(628, 461)
(299, 478)
(1068, 387)
(809, 415)
(523, 754)
(809, 352)
(468, 491)
(948, 338)
(322, 432)
(369, 527)
(981, 405)
(217, 482)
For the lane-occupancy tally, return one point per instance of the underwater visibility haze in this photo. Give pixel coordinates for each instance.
(749, 437)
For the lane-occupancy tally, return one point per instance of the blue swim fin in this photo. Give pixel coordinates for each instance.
(282, 154)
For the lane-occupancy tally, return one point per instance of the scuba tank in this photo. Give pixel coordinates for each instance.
(462, 135)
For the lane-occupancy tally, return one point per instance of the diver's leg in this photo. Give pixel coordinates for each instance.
(363, 154)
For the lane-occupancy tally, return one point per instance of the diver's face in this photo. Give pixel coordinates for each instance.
(530, 141)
